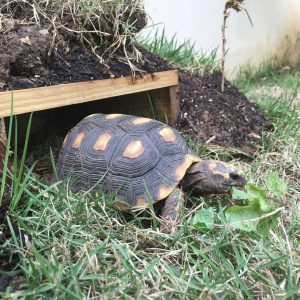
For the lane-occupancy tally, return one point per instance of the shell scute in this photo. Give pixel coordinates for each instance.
(140, 165)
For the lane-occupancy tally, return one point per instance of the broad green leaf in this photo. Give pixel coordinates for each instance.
(241, 217)
(255, 192)
(204, 219)
(257, 197)
(276, 186)
(238, 194)
(261, 204)
(265, 225)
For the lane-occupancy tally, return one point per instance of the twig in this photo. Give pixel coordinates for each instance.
(237, 5)
(225, 16)
(195, 130)
(272, 213)
(289, 248)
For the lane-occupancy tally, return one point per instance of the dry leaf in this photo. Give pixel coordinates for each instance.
(25, 41)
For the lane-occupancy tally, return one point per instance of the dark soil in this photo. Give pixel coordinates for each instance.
(25, 61)
(8, 260)
(4, 208)
(74, 64)
(227, 119)
(5, 263)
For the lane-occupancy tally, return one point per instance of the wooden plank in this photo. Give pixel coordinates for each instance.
(174, 104)
(35, 99)
(154, 104)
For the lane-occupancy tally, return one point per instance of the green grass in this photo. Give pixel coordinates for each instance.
(271, 72)
(13, 172)
(182, 55)
(79, 247)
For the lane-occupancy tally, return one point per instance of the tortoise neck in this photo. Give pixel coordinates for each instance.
(195, 174)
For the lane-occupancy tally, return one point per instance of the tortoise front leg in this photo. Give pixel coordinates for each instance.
(170, 212)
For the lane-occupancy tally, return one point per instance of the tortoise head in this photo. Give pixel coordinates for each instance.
(212, 177)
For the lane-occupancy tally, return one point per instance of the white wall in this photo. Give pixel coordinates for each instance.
(276, 28)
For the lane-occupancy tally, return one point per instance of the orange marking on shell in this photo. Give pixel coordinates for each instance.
(141, 202)
(168, 135)
(188, 160)
(164, 191)
(78, 140)
(65, 140)
(140, 121)
(134, 150)
(102, 142)
(113, 116)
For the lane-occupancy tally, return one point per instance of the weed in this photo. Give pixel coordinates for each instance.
(19, 178)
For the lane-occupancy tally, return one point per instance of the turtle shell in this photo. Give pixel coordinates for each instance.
(138, 159)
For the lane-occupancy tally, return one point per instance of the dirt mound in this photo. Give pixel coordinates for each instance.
(35, 33)
(102, 26)
(24, 61)
(210, 116)
(24, 52)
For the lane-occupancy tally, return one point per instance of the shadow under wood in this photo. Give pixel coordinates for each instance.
(49, 127)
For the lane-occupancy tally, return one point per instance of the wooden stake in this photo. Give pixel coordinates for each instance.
(237, 5)
(225, 16)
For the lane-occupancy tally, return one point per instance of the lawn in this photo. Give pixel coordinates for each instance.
(66, 246)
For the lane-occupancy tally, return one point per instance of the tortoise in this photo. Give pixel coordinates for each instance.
(141, 161)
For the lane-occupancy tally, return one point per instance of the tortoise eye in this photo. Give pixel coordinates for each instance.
(234, 176)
